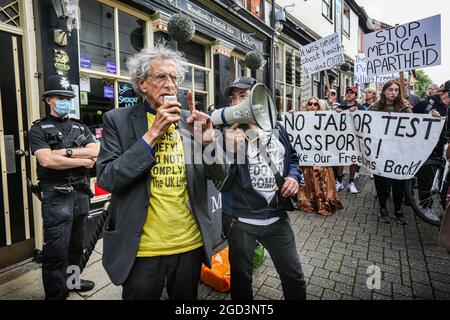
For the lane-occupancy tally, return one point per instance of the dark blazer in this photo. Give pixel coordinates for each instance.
(123, 168)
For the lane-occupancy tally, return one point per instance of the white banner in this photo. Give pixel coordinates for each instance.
(322, 54)
(361, 72)
(409, 46)
(393, 145)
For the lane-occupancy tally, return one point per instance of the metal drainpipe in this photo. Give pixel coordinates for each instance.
(272, 51)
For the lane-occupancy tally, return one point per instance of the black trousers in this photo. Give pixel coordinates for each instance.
(180, 273)
(383, 187)
(279, 240)
(64, 218)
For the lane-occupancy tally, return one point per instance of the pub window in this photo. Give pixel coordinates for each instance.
(238, 67)
(131, 38)
(108, 37)
(101, 27)
(287, 77)
(97, 40)
(346, 21)
(327, 9)
(298, 82)
(197, 78)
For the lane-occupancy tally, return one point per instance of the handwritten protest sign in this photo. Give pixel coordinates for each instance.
(409, 46)
(361, 72)
(393, 145)
(321, 54)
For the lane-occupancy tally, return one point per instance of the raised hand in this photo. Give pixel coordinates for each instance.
(199, 123)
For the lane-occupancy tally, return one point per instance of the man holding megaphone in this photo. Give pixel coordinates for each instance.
(252, 200)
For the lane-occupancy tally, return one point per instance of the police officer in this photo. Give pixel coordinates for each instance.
(65, 150)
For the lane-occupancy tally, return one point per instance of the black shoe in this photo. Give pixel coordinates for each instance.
(85, 285)
(398, 215)
(384, 215)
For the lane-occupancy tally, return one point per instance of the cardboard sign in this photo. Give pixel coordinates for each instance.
(409, 46)
(392, 145)
(361, 72)
(322, 54)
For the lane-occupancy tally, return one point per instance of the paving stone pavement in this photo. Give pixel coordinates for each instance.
(335, 253)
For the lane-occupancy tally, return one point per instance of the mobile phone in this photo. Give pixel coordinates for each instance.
(170, 98)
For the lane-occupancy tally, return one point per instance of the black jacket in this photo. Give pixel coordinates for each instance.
(435, 103)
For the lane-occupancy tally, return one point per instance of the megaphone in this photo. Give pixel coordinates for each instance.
(259, 109)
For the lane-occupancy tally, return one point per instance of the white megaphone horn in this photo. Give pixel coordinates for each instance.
(259, 109)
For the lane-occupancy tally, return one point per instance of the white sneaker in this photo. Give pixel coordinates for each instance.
(339, 186)
(429, 213)
(351, 187)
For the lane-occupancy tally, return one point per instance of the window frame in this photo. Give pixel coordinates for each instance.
(330, 6)
(344, 17)
(282, 83)
(209, 78)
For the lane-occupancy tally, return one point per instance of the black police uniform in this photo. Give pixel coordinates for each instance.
(65, 200)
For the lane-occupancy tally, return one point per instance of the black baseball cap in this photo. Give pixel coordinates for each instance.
(445, 87)
(241, 83)
(58, 85)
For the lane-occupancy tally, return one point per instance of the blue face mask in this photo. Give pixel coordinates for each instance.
(63, 107)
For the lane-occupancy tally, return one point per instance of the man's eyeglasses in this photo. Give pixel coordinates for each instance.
(313, 104)
(162, 77)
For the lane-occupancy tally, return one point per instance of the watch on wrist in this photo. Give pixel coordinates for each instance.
(69, 152)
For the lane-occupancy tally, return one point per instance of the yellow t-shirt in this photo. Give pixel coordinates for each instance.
(170, 228)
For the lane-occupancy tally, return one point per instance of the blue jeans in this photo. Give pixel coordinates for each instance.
(279, 240)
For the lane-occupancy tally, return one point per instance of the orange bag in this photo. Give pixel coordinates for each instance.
(219, 276)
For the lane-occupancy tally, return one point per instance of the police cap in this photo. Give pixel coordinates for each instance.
(58, 85)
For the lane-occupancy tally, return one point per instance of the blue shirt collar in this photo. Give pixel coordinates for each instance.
(148, 108)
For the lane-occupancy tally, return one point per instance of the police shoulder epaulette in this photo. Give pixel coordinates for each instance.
(78, 123)
(38, 120)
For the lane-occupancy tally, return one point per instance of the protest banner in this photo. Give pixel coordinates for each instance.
(306, 88)
(392, 145)
(361, 72)
(405, 47)
(322, 54)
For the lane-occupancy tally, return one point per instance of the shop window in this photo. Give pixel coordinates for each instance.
(194, 52)
(238, 68)
(97, 40)
(127, 97)
(96, 98)
(346, 21)
(288, 76)
(131, 38)
(289, 66)
(279, 62)
(197, 77)
(327, 9)
(279, 97)
(100, 27)
(289, 98)
(200, 79)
